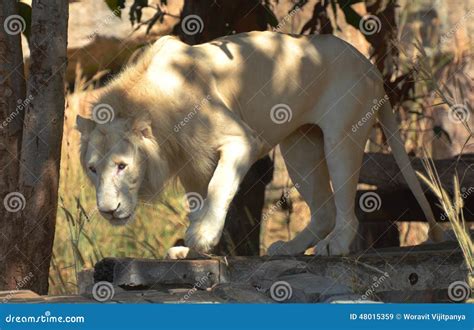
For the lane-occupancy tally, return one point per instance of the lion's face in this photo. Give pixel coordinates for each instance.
(115, 165)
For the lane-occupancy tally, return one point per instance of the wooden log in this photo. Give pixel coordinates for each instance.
(401, 205)
(149, 273)
(421, 273)
(397, 203)
(382, 171)
(412, 274)
(7, 296)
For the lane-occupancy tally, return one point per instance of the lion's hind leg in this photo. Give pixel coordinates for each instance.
(344, 154)
(303, 152)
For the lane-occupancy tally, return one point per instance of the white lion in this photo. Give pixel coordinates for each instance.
(206, 113)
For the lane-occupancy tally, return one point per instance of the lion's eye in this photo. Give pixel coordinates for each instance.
(92, 169)
(121, 166)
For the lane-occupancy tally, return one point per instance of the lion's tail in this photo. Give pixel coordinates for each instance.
(390, 128)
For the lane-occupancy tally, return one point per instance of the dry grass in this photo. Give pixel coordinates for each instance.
(452, 208)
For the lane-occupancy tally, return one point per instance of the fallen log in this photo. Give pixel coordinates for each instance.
(412, 274)
(401, 205)
(382, 171)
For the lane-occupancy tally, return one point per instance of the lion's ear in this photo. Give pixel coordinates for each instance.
(84, 125)
(142, 128)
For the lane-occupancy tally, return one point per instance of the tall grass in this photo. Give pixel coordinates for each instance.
(452, 207)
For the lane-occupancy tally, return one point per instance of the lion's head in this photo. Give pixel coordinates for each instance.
(122, 159)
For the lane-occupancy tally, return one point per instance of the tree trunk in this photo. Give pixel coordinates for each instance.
(12, 95)
(42, 136)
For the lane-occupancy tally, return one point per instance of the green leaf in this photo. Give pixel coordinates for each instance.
(25, 12)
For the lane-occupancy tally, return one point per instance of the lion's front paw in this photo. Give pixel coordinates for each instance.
(202, 236)
(177, 252)
(337, 243)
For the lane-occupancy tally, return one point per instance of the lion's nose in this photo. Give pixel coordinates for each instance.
(109, 211)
